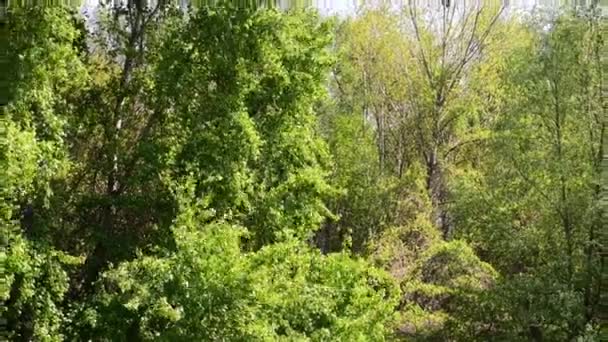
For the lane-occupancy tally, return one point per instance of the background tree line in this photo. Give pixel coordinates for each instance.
(229, 173)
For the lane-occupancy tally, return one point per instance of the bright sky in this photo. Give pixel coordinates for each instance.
(346, 7)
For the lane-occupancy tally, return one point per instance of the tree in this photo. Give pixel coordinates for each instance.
(534, 208)
(208, 288)
(172, 175)
(34, 156)
(413, 69)
(244, 116)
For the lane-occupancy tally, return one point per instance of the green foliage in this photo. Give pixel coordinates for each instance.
(398, 248)
(530, 207)
(89, 155)
(33, 287)
(174, 176)
(47, 72)
(245, 116)
(446, 279)
(208, 289)
(362, 205)
(509, 150)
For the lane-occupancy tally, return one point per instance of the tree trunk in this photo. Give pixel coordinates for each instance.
(438, 192)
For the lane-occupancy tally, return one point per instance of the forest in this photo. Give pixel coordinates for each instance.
(249, 173)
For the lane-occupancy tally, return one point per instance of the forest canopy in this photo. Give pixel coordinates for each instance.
(243, 174)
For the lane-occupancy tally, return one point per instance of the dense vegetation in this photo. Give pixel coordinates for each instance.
(239, 174)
